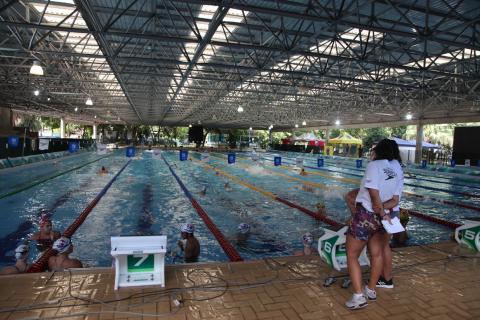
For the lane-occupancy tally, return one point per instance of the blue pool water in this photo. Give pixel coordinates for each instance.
(146, 200)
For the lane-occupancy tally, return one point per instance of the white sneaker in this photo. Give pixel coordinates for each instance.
(357, 301)
(370, 294)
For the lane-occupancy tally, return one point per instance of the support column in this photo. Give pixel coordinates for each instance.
(62, 128)
(419, 141)
(327, 135)
(94, 136)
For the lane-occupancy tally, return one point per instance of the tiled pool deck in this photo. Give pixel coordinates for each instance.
(431, 282)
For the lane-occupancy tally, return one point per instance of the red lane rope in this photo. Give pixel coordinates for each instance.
(229, 250)
(445, 223)
(41, 264)
(311, 213)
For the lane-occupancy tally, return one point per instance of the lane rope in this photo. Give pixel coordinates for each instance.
(42, 263)
(36, 183)
(414, 213)
(271, 195)
(227, 247)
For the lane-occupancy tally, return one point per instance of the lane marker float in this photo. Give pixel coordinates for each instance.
(42, 263)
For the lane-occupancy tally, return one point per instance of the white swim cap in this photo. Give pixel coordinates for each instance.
(307, 239)
(62, 245)
(243, 227)
(21, 251)
(188, 228)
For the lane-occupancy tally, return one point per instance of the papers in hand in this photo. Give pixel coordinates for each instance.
(395, 227)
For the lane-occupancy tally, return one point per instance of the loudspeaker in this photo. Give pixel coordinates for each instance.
(195, 134)
(465, 144)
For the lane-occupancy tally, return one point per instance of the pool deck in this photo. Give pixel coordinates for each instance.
(431, 282)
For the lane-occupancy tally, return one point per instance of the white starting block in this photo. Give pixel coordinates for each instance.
(139, 261)
(332, 250)
(469, 234)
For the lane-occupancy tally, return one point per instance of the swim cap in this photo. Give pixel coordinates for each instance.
(62, 245)
(44, 219)
(188, 228)
(21, 251)
(244, 228)
(307, 239)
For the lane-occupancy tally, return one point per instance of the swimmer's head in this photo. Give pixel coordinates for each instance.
(320, 205)
(187, 228)
(62, 245)
(103, 168)
(45, 222)
(21, 252)
(243, 228)
(307, 239)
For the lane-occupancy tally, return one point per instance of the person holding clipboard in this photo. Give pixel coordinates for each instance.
(379, 184)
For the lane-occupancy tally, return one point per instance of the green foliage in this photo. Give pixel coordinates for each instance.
(31, 122)
(399, 132)
(373, 135)
(52, 123)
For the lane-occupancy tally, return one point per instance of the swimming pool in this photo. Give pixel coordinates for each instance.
(146, 199)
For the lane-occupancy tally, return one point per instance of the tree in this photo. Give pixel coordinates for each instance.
(399, 132)
(373, 135)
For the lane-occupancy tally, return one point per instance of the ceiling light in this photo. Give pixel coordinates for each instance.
(296, 125)
(304, 123)
(48, 98)
(95, 116)
(250, 129)
(36, 92)
(240, 109)
(189, 125)
(36, 68)
(409, 116)
(337, 122)
(76, 109)
(89, 102)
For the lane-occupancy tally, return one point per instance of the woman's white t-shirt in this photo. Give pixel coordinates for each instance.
(382, 176)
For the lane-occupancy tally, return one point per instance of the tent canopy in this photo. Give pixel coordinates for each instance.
(413, 143)
(306, 137)
(345, 138)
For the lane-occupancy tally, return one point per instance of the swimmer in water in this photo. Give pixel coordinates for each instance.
(217, 173)
(203, 192)
(103, 170)
(227, 186)
(307, 240)
(191, 247)
(21, 264)
(62, 261)
(303, 172)
(243, 232)
(321, 210)
(46, 236)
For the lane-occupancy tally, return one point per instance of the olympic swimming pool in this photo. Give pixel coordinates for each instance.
(146, 199)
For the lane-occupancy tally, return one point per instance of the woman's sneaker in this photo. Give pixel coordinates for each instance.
(357, 301)
(382, 283)
(370, 294)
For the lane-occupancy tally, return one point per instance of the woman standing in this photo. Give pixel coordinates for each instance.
(379, 184)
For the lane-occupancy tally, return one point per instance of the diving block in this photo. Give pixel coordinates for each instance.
(332, 250)
(139, 261)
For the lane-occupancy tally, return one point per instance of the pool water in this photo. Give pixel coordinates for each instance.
(146, 199)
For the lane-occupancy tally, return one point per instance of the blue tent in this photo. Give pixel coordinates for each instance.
(413, 143)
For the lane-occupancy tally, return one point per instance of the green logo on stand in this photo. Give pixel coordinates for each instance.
(140, 263)
(469, 236)
(327, 249)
